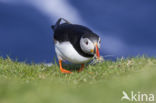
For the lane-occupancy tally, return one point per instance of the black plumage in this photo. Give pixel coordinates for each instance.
(73, 33)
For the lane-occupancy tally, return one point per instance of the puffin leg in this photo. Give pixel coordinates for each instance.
(82, 67)
(62, 69)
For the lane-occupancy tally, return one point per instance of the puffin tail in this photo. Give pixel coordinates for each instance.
(58, 23)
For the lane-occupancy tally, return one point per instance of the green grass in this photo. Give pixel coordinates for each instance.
(100, 83)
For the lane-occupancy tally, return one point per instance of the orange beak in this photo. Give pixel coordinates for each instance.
(97, 52)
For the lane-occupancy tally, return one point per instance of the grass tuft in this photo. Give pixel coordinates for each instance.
(100, 83)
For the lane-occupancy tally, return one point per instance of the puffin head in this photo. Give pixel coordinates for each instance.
(90, 44)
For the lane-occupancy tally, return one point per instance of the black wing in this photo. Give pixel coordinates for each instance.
(72, 33)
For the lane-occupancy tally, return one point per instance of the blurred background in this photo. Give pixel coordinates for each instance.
(127, 27)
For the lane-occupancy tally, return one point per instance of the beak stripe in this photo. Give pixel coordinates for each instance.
(97, 51)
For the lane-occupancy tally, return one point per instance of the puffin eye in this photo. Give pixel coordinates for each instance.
(86, 42)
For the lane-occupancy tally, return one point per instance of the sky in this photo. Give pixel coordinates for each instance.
(126, 27)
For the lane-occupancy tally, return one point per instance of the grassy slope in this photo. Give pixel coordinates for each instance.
(101, 83)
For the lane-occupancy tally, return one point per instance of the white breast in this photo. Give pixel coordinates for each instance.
(65, 51)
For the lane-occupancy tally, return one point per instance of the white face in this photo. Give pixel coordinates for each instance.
(99, 43)
(88, 46)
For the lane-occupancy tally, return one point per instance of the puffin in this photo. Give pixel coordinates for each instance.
(74, 43)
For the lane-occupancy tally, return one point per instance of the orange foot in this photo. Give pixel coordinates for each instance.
(62, 69)
(82, 67)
